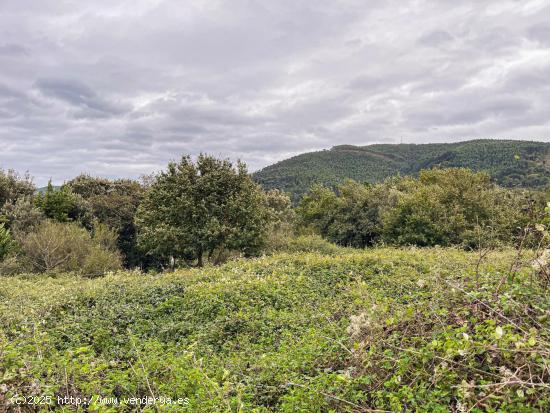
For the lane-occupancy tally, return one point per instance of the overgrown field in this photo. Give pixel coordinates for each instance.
(383, 329)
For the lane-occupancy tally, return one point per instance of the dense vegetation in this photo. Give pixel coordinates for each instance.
(394, 330)
(441, 207)
(209, 210)
(509, 163)
(235, 301)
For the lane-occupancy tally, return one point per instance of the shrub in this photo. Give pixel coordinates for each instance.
(6, 242)
(453, 207)
(442, 207)
(311, 243)
(12, 265)
(99, 261)
(22, 216)
(14, 186)
(66, 247)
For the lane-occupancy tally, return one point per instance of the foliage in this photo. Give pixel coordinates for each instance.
(509, 163)
(441, 207)
(14, 186)
(22, 216)
(195, 208)
(113, 203)
(6, 242)
(56, 246)
(449, 207)
(59, 204)
(281, 220)
(381, 329)
(311, 243)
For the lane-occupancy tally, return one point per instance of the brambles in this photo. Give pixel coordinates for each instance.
(386, 329)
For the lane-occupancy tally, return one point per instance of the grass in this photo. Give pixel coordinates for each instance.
(348, 331)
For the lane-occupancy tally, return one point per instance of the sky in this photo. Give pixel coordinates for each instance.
(119, 88)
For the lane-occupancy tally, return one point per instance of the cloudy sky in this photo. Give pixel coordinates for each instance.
(117, 88)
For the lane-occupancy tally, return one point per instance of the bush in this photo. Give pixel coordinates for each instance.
(66, 247)
(14, 186)
(442, 207)
(454, 207)
(22, 216)
(12, 265)
(311, 243)
(114, 204)
(99, 261)
(6, 242)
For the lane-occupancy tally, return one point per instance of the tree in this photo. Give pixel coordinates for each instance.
(282, 219)
(113, 203)
(191, 209)
(58, 204)
(13, 186)
(317, 209)
(453, 207)
(356, 222)
(353, 215)
(22, 216)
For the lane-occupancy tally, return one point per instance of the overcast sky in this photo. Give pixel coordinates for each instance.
(118, 88)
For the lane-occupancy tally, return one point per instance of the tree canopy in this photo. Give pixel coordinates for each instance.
(191, 209)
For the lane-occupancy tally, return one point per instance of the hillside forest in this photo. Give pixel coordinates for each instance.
(425, 291)
(509, 163)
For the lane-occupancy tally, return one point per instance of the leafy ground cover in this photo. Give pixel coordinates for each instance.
(347, 331)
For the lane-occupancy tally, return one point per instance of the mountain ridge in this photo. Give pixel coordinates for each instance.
(510, 163)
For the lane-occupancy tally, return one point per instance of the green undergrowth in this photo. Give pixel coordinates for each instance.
(350, 331)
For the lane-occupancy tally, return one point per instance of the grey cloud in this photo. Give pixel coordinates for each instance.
(435, 38)
(118, 89)
(540, 33)
(81, 95)
(13, 49)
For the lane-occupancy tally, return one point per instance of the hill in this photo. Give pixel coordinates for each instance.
(42, 190)
(510, 163)
(351, 331)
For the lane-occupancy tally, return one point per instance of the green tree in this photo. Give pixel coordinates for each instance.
(353, 215)
(453, 206)
(282, 220)
(57, 204)
(114, 204)
(317, 209)
(192, 209)
(22, 216)
(14, 186)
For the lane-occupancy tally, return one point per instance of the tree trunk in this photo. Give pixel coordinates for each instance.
(199, 258)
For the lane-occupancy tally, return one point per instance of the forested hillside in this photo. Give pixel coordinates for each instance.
(510, 163)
